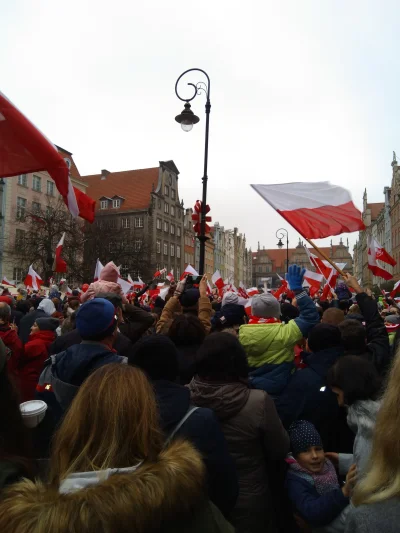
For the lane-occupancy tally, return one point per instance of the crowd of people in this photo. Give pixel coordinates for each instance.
(188, 414)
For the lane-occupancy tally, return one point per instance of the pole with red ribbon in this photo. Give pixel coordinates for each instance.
(201, 228)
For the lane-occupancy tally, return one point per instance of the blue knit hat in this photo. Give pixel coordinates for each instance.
(96, 320)
(303, 435)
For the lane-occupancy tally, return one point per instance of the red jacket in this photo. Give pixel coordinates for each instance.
(31, 366)
(13, 342)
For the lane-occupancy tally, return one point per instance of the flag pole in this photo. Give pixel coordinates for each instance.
(324, 256)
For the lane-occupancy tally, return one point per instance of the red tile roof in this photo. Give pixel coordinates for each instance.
(278, 256)
(376, 208)
(133, 185)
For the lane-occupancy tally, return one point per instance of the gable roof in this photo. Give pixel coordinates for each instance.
(134, 186)
(376, 208)
(278, 256)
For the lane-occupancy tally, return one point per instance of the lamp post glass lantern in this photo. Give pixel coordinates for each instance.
(280, 234)
(187, 119)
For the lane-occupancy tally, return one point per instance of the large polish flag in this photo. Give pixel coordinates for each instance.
(314, 279)
(374, 253)
(5, 281)
(315, 209)
(24, 149)
(217, 280)
(33, 279)
(59, 264)
(189, 271)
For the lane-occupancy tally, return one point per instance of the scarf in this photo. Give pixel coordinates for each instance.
(324, 481)
(257, 320)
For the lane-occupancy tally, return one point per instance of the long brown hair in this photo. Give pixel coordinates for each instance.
(382, 480)
(112, 423)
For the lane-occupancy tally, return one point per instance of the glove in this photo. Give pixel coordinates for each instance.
(295, 277)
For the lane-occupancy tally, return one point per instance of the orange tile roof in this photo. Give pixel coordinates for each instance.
(278, 256)
(133, 185)
(376, 208)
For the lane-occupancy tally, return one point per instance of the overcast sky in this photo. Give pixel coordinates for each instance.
(301, 90)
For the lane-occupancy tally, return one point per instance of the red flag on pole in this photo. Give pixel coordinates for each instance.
(59, 264)
(33, 279)
(374, 254)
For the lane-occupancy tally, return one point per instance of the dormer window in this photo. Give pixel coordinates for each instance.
(116, 203)
(103, 204)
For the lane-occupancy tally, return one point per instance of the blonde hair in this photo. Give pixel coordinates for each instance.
(382, 480)
(112, 423)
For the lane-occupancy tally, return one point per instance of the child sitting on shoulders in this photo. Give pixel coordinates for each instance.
(311, 480)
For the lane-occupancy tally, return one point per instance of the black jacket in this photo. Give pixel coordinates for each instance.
(303, 399)
(378, 348)
(136, 322)
(122, 344)
(27, 322)
(202, 429)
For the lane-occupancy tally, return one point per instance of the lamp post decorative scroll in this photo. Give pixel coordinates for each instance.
(187, 119)
(280, 234)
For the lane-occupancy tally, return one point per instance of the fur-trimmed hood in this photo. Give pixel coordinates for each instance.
(152, 497)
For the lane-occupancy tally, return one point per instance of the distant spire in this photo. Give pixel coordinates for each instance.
(347, 242)
(258, 246)
(341, 241)
(394, 162)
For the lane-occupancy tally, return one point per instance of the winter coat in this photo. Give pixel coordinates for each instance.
(32, 362)
(343, 292)
(202, 429)
(361, 418)
(255, 436)
(187, 362)
(65, 372)
(302, 398)
(375, 517)
(136, 322)
(122, 344)
(166, 496)
(316, 509)
(10, 338)
(16, 316)
(377, 350)
(173, 307)
(27, 322)
(270, 347)
(108, 282)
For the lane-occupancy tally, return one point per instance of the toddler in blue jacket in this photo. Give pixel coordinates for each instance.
(311, 480)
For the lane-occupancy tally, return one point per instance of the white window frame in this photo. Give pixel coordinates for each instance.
(23, 180)
(116, 203)
(36, 207)
(172, 250)
(178, 231)
(166, 208)
(36, 180)
(166, 190)
(50, 188)
(173, 194)
(137, 245)
(158, 246)
(139, 222)
(21, 207)
(166, 248)
(178, 251)
(159, 223)
(126, 223)
(166, 226)
(103, 204)
(172, 229)
(172, 211)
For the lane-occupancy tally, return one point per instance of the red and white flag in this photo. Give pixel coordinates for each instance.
(395, 290)
(247, 307)
(217, 280)
(374, 249)
(33, 280)
(59, 264)
(68, 291)
(316, 210)
(6, 282)
(314, 279)
(170, 276)
(24, 149)
(189, 271)
(138, 284)
(252, 291)
(159, 273)
(98, 269)
(125, 285)
(242, 292)
(382, 254)
(130, 279)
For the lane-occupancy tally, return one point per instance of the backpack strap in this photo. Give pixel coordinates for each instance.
(190, 411)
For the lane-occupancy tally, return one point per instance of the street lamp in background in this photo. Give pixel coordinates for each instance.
(280, 234)
(187, 119)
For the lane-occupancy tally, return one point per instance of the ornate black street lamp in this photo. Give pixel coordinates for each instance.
(280, 234)
(187, 119)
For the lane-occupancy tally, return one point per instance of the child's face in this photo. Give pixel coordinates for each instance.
(312, 459)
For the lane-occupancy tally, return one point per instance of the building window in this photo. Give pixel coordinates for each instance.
(18, 274)
(19, 237)
(172, 250)
(126, 223)
(178, 251)
(178, 231)
(21, 208)
(36, 208)
(23, 180)
(165, 248)
(166, 190)
(139, 222)
(166, 227)
(138, 245)
(172, 210)
(49, 211)
(178, 273)
(172, 229)
(116, 203)
(158, 223)
(166, 208)
(37, 183)
(158, 244)
(50, 188)
(173, 194)
(103, 203)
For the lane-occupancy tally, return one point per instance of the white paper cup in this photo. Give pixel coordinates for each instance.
(33, 412)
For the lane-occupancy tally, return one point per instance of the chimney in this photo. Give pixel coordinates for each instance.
(104, 174)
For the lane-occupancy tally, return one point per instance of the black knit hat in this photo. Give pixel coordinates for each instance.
(47, 323)
(303, 435)
(324, 336)
(157, 356)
